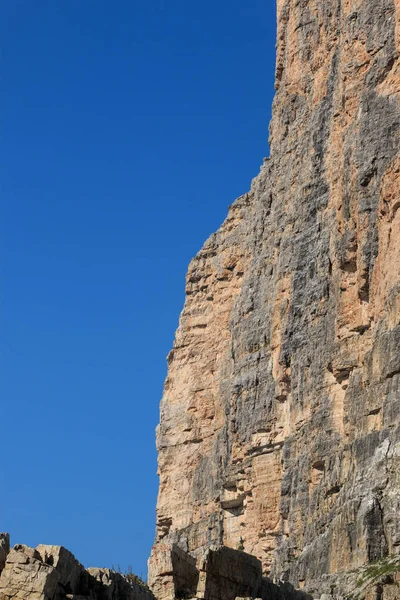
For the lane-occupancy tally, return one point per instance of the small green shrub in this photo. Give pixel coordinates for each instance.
(378, 569)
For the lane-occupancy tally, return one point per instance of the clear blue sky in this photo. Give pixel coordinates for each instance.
(128, 128)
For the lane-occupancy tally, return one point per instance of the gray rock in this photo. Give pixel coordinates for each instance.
(280, 415)
(4, 549)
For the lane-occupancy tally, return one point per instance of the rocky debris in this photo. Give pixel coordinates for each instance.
(53, 573)
(279, 422)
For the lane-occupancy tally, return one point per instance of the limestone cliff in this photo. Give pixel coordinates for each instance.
(280, 415)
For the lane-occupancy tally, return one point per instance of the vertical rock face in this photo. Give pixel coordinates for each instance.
(281, 410)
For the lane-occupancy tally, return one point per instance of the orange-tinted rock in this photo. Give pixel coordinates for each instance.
(281, 410)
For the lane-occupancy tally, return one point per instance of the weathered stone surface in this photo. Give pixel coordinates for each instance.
(280, 415)
(106, 584)
(185, 573)
(227, 574)
(375, 581)
(25, 576)
(71, 574)
(180, 575)
(220, 574)
(53, 573)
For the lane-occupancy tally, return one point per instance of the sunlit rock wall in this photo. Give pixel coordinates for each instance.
(281, 410)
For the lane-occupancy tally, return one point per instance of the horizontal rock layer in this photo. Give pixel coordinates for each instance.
(280, 415)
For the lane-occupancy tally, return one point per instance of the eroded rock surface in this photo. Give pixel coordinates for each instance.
(53, 573)
(221, 573)
(25, 576)
(281, 410)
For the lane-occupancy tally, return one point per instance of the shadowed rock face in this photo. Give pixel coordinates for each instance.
(4, 549)
(228, 574)
(281, 410)
(221, 573)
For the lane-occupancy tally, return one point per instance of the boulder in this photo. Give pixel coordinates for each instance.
(72, 575)
(26, 577)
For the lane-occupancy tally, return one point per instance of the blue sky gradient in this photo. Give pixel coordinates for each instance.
(128, 128)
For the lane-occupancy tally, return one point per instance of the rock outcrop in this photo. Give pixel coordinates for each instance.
(280, 419)
(4, 549)
(220, 574)
(53, 573)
